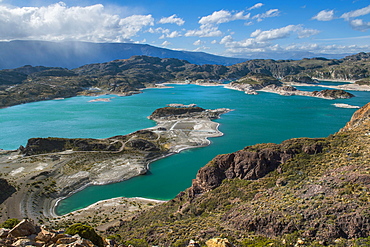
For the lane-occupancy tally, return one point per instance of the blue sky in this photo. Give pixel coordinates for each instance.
(238, 28)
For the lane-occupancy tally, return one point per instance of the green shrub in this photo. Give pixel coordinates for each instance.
(137, 242)
(10, 223)
(86, 232)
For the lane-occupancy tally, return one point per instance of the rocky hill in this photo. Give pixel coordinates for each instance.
(302, 192)
(128, 76)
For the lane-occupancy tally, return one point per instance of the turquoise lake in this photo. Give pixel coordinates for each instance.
(256, 119)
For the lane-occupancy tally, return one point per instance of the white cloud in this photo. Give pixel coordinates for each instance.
(59, 22)
(172, 19)
(204, 31)
(159, 30)
(248, 50)
(166, 43)
(360, 25)
(305, 33)
(202, 48)
(227, 39)
(356, 13)
(284, 32)
(173, 34)
(223, 16)
(256, 6)
(267, 14)
(327, 49)
(214, 42)
(324, 15)
(198, 42)
(260, 41)
(166, 33)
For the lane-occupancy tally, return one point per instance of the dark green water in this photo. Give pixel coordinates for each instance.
(256, 118)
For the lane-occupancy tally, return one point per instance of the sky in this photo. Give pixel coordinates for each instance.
(235, 28)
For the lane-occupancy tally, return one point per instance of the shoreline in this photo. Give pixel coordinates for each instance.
(175, 150)
(175, 132)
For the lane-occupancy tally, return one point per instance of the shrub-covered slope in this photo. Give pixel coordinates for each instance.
(311, 190)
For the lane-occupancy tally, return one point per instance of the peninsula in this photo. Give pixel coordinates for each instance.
(48, 169)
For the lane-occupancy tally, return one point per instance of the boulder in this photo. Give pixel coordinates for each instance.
(23, 242)
(45, 235)
(4, 232)
(23, 228)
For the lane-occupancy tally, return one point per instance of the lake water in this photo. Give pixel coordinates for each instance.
(256, 119)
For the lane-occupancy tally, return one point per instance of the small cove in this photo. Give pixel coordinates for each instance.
(256, 118)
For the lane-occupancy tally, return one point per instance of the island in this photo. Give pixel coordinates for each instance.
(48, 169)
(254, 82)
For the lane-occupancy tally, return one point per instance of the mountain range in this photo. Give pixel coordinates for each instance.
(72, 54)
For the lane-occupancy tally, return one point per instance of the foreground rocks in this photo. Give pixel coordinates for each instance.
(26, 233)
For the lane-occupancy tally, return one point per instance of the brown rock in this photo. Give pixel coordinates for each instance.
(4, 232)
(218, 242)
(358, 118)
(45, 235)
(66, 240)
(23, 228)
(23, 242)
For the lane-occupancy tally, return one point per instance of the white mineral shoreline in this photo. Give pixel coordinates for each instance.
(334, 80)
(176, 148)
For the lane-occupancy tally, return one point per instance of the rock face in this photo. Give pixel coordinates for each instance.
(358, 118)
(250, 163)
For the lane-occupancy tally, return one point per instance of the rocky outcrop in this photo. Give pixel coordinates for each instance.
(299, 79)
(324, 94)
(252, 82)
(167, 112)
(359, 117)
(6, 190)
(332, 94)
(250, 163)
(183, 112)
(26, 233)
(52, 145)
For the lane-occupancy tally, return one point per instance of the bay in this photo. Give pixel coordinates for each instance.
(256, 119)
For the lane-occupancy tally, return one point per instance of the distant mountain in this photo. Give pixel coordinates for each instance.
(70, 55)
(291, 55)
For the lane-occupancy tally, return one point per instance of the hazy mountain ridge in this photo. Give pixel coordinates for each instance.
(71, 54)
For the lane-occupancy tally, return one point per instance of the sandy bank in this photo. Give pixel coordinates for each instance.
(115, 209)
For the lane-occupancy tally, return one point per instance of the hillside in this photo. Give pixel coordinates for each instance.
(302, 192)
(128, 76)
